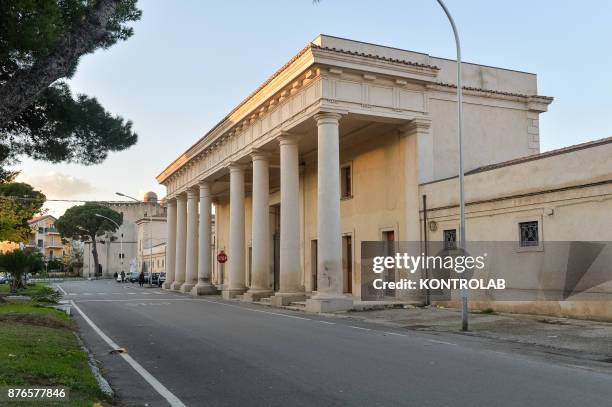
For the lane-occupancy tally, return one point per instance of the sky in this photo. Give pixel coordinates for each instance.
(191, 61)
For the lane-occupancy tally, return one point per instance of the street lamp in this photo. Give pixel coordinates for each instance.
(120, 238)
(464, 297)
(150, 239)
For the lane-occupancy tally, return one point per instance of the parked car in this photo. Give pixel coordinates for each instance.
(162, 279)
(3, 278)
(154, 278)
(132, 276)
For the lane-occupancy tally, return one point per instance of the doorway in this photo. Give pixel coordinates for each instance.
(275, 212)
(314, 264)
(388, 237)
(347, 263)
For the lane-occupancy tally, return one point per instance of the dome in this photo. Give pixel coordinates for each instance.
(150, 197)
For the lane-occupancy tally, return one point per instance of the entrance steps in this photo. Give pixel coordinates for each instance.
(296, 306)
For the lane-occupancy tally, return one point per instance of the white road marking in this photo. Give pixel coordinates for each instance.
(441, 342)
(358, 327)
(256, 310)
(394, 333)
(324, 322)
(160, 388)
(140, 299)
(61, 289)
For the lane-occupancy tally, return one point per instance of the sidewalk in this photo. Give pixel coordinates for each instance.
(568, 337)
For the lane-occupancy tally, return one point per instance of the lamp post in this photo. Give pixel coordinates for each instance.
(120, 238)
(464, 297)
(150, 239)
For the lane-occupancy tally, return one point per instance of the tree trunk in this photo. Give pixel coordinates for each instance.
(26, 86)
(94, 252)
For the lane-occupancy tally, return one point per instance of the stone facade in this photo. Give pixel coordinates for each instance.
(336, 148)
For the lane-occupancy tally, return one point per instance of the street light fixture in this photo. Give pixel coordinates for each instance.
(150, 239)
(464, 297)
(120, 238)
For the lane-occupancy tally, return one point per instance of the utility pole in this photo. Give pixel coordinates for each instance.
(464, 293)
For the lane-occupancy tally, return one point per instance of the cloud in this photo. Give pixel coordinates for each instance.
(57, 185)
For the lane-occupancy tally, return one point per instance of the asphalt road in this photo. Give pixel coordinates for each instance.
(209, 352)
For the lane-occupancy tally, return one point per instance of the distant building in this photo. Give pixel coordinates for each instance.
(45, 237)
(109, 244)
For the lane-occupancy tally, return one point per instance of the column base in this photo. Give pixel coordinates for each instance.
(230, 293)
(282, 299)
(186, 287)
(256, 295)
(176, 286)
(329, 304)
(167, 285)
(203, 289)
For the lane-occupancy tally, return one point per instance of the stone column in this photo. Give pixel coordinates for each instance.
(171, 246)
(290, 288)
(191, 268)
(417, 156)
(236, 254)
(260, 277)
(417, 151)
(329, 246)
(204, 285)
(181, 237)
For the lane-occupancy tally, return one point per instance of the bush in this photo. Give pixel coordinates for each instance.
(46, 294)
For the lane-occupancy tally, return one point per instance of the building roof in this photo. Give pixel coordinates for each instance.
(191, 152)
(546, 154)
(39, 218)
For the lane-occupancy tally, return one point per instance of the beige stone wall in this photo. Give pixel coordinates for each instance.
(568, 194)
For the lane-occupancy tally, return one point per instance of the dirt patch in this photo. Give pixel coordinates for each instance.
(38, 320)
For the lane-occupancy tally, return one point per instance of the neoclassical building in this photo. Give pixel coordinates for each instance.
(338, 147)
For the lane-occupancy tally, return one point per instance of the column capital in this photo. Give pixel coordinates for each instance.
(327, 117)
(192, 193)
(287, 138)
(181, 196)
(257, 154)
(235, 167)
(415, 126)
(171, 201)
(204, 184)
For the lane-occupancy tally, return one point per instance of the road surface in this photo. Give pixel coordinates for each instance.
(210, 352)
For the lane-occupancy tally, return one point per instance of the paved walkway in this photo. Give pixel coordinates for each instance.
(589, 340)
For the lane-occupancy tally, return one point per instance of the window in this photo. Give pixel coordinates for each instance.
(41, 230)
(528, 234)
(346, 187)
(40, 243)
(450, 239)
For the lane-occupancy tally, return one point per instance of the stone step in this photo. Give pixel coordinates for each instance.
(298, 304)
(265, 300)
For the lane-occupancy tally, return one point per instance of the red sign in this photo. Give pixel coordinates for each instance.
(221, 257)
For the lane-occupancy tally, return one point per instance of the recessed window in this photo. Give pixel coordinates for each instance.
(529, 234)
(346, 187)
(450, 239)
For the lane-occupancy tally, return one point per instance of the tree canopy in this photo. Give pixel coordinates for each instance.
(41, 43)
(19, 202)
(81, 222)
(20, 262)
